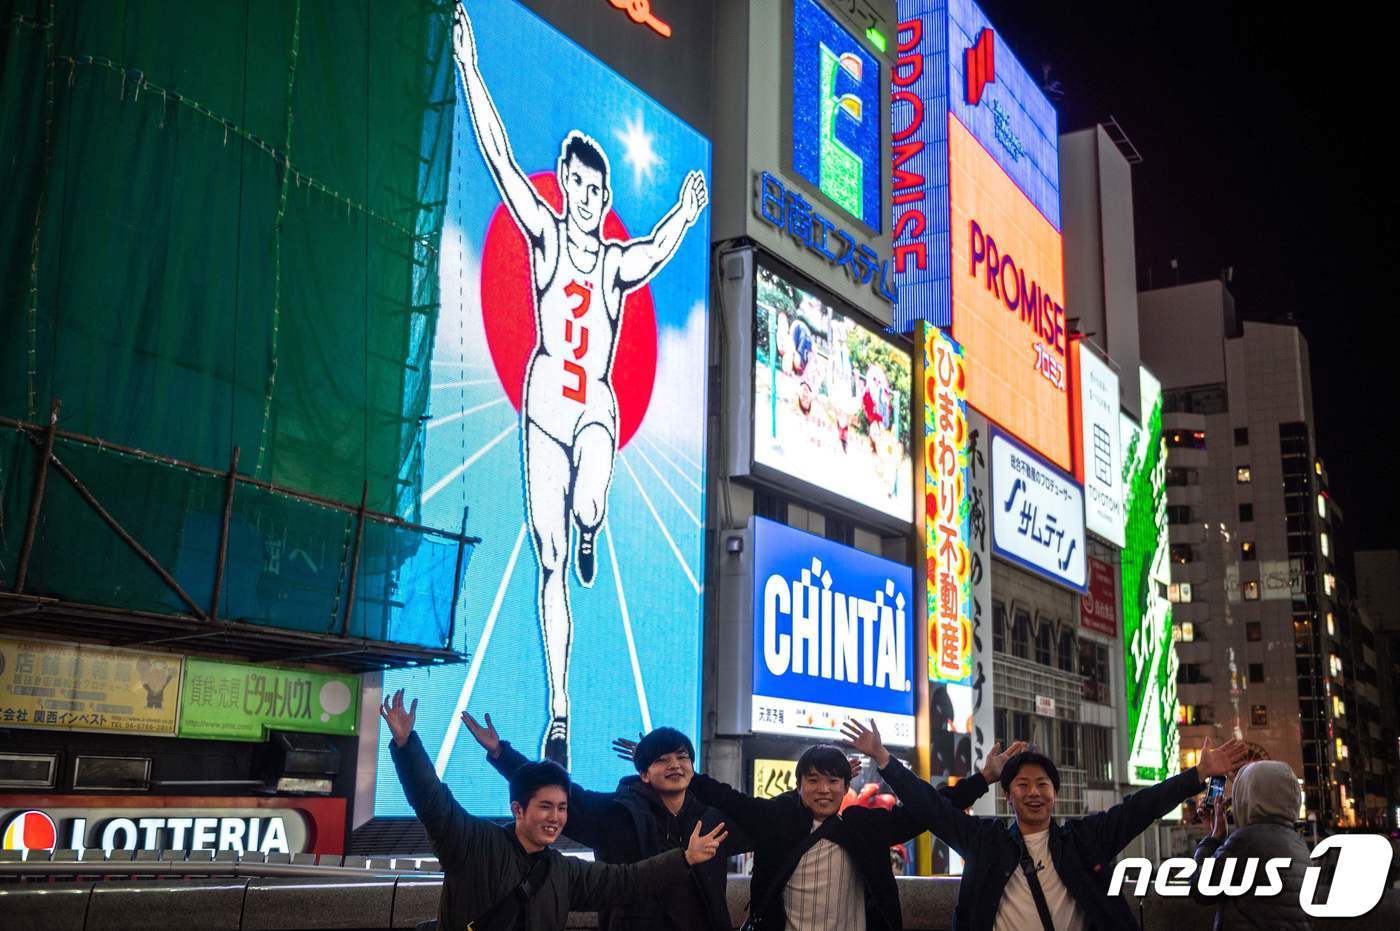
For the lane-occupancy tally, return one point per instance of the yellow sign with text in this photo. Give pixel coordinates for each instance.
(773, 777)
(62, 686)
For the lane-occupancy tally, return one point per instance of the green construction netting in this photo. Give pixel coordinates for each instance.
(288, 562)
(219, 230)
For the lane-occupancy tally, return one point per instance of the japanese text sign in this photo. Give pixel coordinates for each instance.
(1037, 514)
(90, 688)
(948, 509)
(1098, 608)
(228, 701)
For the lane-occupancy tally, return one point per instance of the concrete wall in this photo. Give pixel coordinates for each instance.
(1182, 332)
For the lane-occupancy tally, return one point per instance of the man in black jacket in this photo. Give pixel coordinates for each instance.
(815, 867)
(510, 878)
(1038, 873)
(649, 813)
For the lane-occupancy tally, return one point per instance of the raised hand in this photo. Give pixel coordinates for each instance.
(1219, 827)
(856, 767)
(996, 762)
(486, 736)
(694, 196)
(399, 719)
(1221, 760)
(703, 847)
(624, 748)
(463, 40)
(866, 740)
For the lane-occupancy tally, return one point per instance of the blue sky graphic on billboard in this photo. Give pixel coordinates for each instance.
(567, 410)
(836, 113)
(832, 636)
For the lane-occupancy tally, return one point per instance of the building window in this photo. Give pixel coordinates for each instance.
(998, 627)
(1241, 436)
(1329, 584)
(774, 507)
(1181, 553)
(1242, 476)
(1195, 714)
(1179, 592)
(1246, 513)
(1094, 667)
(1021, 636)
(1098, 753)
(1067, 651)
(1247, 553)
(1177, 478)
(1178, 514)
(1251, 590)
(1186, 439)
(1258, 716)
(1322, 506)
(1184, 632)
(1256, 673)
(1331, 625)
(1191, 674)
(1326, 545)
(1044, 639)
(1253, 632)
(840, 530)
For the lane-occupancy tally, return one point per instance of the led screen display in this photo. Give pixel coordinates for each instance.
(1150, 661)
(1008, 301)
(831, 398)
(831, 637)
(567, 414)
(837, 116)
(947, 509)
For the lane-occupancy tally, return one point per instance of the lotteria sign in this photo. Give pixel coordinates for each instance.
(832, 637)
(245, 826)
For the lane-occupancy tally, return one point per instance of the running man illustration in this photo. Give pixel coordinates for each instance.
(569, 418)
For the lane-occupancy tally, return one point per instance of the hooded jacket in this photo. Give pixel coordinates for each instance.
(778, 825)
(483, 862)
(1082, 849)
(1265, 801)
(630, 824)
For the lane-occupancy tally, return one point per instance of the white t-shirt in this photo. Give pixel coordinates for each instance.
(1017, 909)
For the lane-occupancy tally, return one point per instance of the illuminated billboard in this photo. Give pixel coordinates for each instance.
(832, 637)
(1097, 461)
(1150, 662)
(837, 119)
(567, 413)
(947, 508)
(1008, 293)
(831, 398)
(1037, 514)
(951, 65)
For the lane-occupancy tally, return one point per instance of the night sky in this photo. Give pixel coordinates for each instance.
(1262, 136)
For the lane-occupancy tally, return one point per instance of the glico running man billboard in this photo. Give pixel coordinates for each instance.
(567, 412)
(1150, 661)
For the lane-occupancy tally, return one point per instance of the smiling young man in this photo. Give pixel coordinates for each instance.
(815, 867)
(1038, 873)
(647, 814)
(510, 878)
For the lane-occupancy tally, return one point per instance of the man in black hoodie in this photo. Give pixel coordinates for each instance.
(648, 814)
(816, 867)
(1039, 873)
(511, 878)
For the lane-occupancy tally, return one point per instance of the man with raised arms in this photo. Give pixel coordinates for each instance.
(569, 411)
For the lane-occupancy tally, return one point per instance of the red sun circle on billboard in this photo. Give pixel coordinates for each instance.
(508, 312)
(30, 830)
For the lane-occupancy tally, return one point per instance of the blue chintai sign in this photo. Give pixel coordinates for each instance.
(832, 637)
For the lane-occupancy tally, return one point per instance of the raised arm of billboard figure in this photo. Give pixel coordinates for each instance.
(1117, 827)
(593, 886)
(452, 831)
(588, 811)
(643, 258)
(930, 808)
(527, 208)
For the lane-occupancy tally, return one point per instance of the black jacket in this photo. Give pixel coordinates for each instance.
(1082, 849)
(631, 824)
(777, 825)
(482, 862)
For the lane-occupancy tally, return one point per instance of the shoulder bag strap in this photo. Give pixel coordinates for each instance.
(782, 876)
(1029, 868)
(504, 910)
